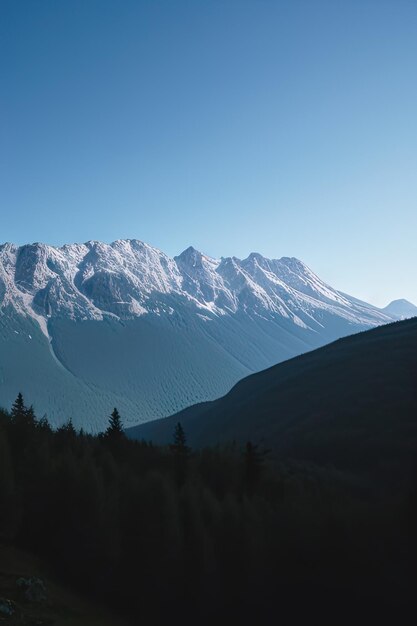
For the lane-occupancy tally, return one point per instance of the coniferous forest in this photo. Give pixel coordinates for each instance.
(209, 536)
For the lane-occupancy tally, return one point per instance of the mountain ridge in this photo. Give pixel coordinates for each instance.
(94, 280)
(85, 327)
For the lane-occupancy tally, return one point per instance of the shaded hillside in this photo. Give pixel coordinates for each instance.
(352, 403)
(148, 367)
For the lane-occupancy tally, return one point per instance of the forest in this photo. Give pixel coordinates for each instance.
(223, 533)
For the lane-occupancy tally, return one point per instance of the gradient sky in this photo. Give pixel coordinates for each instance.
(287, 128)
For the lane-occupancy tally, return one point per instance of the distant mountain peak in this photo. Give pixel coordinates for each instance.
(401, 302)
(401, 309)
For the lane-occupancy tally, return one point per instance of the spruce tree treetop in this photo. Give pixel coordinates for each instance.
(44, 425)
(18, 407)
(68, 427)
(21, 414)
(30, 414)
(115, 427)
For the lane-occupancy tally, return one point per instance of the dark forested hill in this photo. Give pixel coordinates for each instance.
(321, 531)
(352, 403)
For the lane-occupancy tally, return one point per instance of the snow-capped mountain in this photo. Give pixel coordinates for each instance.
(127, 279)
(98, 325)
(401, 309)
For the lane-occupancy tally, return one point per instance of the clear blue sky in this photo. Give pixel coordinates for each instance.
(289, 128)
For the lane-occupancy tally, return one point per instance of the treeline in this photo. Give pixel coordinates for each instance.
(162, 533)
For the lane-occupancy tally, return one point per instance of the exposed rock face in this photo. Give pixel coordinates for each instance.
(129, 278)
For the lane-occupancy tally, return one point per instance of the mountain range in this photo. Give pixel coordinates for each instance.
(86, 327)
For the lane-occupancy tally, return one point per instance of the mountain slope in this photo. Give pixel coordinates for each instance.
(351, 403)
(86, 327)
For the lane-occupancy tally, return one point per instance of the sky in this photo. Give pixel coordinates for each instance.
(283, 127)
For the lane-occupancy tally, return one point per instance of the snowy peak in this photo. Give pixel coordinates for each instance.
(201, 281)
(192, 261)
(129, 278)
(401, 309)
(190, 257)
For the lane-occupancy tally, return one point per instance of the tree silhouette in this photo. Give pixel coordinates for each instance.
(20, 414)
(68, 428)
(30, 415)
(44, 425)
(18, 408)
(115, 428)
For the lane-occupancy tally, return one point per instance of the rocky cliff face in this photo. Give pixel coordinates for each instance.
(129, 278)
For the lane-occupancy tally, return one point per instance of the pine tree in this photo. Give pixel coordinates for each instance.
(44, 425)
(30, 415)
(67, 429)
(115, 428)
(18, 408)
(21, 415)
